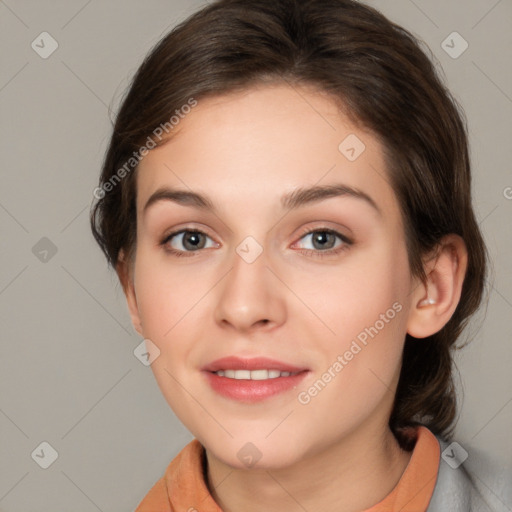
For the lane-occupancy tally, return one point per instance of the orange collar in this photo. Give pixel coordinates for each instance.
(413, 491)
(183, 487)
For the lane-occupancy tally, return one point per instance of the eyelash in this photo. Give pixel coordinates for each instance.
(310, 252)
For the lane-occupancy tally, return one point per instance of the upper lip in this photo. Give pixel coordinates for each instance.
(253, 363)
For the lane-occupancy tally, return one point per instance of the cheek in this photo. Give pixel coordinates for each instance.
(365, 309)
(352, 296)
(171, 302)
(163, 301)
(164, 294)
(358, 371)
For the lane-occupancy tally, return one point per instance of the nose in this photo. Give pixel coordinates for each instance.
(251, 297)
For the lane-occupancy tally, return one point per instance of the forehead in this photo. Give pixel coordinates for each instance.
(262, 143)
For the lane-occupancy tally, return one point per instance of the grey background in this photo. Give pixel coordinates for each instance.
(68, 375)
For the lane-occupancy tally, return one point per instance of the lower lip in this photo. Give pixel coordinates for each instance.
(251, 391)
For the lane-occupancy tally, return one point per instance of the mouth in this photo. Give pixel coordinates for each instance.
(252, 380)
(253, 374)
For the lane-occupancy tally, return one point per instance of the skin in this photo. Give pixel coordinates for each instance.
(245, 151)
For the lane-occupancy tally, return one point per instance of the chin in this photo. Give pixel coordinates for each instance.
(261, 454)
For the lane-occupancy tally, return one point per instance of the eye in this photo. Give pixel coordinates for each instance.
(186, 240)
(322, 241)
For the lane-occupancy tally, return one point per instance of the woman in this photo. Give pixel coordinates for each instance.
(286, 199)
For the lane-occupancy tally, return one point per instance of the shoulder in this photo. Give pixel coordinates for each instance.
(467, 481)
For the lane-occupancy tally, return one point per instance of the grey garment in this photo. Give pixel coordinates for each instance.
(471, 484)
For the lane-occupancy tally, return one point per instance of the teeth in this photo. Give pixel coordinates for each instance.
(253, 374)
(258, 375)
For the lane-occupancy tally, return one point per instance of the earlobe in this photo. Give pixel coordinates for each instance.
(434, 302)
(126, 280)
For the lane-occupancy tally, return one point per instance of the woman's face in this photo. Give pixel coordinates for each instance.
(249, 281)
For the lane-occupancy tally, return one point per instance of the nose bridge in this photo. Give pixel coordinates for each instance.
(249, 295)
(250, 262)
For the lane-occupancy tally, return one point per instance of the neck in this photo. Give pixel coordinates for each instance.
(352, 475)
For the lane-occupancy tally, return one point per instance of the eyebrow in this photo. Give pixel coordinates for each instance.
(291, 201)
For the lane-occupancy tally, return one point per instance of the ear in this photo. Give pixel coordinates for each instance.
(125, 274)
(434, 302)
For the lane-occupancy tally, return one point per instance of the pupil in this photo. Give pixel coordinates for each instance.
(321, 237)
(192, 240)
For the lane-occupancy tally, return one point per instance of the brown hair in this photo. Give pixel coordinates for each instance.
(384, 81)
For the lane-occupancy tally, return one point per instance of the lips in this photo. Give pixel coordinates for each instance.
(233, 378)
